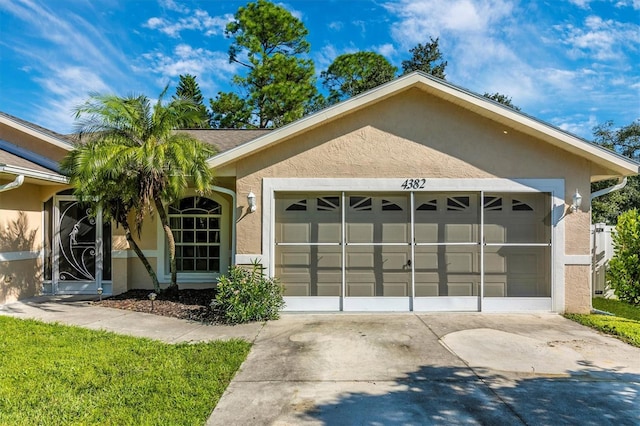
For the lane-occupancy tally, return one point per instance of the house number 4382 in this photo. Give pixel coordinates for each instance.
(413, 184)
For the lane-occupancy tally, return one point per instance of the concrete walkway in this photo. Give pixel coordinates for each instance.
(76, 310)
(400, 369)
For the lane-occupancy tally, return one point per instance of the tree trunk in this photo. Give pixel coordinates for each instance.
(141, 256)
(171, 242)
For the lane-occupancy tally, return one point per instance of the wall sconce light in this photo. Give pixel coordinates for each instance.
(577, 201)
(251, 199)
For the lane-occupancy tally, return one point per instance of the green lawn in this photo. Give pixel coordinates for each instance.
(625, 324)
(55, 374)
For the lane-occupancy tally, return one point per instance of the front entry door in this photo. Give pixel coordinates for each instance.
(78, 247)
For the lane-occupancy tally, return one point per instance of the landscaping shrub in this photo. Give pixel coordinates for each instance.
(246, 294)
(624, 268)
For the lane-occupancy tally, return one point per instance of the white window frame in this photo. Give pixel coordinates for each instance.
(205, 278)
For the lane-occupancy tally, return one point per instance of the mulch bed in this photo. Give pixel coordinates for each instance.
(183, 304)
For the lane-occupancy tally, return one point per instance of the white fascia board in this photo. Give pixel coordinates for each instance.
(36, 133)
(440, 88)
(35, 174)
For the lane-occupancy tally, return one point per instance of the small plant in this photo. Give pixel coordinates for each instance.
(246, 294)
(624, 268)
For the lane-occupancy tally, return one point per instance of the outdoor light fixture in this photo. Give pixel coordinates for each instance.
(577, 201)
(251, 199)
(100, 293)
(152, 296)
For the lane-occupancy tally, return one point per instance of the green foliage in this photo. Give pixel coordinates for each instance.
(501, 99)
(618, 308)
(188, 90)
(279, 85)
(623, 274)
(132, 161)
(353, 73)
(55, 374)
(426, 58)
(625, 141)
(625, 329)
(246, 295)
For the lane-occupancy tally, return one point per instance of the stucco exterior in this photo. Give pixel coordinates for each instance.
(413, 127)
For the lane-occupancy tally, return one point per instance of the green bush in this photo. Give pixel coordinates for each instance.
(624, 267)
(246, 295)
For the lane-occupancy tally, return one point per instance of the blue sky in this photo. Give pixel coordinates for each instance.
(572, 63)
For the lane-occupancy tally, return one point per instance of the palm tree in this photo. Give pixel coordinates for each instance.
(131, 161)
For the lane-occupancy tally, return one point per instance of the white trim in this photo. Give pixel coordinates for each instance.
(553, 186)
(377, 304)
(310, 304)
(19, 255)
(129, 254)
(577, 259)
(437, 87)
(517, 304)
(162, 267)
(446, 304)
(49, 177)
(248, 259)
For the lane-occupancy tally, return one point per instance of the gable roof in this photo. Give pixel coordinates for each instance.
(39, 132)
(451, 93)
(225, 139)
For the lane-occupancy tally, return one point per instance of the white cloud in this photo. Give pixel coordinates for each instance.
(173, 6)
(600, 39)
(336, 25)
(387, 50)
(211, 68)
(199, 20)
(582, 4)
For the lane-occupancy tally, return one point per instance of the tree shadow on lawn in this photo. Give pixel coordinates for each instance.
(451, 395)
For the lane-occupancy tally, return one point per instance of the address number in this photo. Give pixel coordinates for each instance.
(413, 184)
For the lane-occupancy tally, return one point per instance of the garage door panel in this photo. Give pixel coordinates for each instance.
(460, 262)
(329, 232)
(396, 285)
(425, 261)
(459, 233)
(461, 288)
(395, 232)
(394, 260)
(426, 232)
(426, 286)
(295, 233)
(295, 284)
(495, 286)
(360, 232)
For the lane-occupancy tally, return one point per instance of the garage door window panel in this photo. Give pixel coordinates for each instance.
(308, 244)
(517, 259)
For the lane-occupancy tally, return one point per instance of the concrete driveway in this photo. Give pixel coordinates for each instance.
(406, 369)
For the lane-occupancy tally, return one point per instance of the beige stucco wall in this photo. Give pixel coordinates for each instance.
(415, 135)
(577, 295)
(20, 279)
(20, 241)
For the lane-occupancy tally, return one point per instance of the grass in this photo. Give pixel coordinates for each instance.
(624, 324)
(55, 374)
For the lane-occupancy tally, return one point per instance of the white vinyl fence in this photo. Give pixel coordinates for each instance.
(602, 252)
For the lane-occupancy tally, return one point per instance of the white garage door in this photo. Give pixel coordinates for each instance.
(431, 251)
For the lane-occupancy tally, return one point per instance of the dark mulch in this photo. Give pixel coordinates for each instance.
(183, 304)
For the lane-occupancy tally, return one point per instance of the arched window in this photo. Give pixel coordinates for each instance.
(195, 222)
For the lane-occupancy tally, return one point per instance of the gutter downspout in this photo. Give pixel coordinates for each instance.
(621, 184)
(19, 180)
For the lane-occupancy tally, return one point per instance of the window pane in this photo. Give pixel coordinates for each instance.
(201, 265)
(187, 265)
(188, 236)
(188, 223)
(214, 223)
(214, 265)
(202, 251)
(188, 251)
(201, 236)
(214, 251)
(214, 236)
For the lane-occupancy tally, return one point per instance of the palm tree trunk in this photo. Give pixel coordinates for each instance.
(171, 242)
(141, 256)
